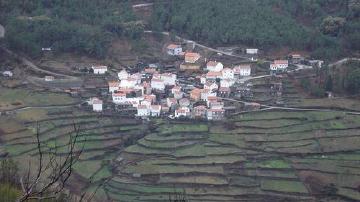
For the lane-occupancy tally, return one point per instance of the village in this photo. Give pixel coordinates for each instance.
(195, 89)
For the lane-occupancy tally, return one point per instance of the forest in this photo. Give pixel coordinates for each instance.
(326, 28)
(81, 26)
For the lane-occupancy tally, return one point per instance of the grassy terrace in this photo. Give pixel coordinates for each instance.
(253, 156)
(278, 153)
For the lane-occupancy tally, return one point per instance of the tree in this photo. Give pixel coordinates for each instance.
(329, 83)
(332, 25)
(51, 175)
(352, 81)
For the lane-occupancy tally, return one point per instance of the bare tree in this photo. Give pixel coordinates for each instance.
(52, 173)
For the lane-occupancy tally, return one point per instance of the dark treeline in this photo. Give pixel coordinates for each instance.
(80, 26)
(324, 27)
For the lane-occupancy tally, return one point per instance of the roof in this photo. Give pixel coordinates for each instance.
(155, 107)
(167, 74)
(141, 107)
(123, 72)
(281, 62)
(227, 69)
(97, 101)
(172, 46)
(114, 83)
(156, 80)
(171, 99)
(195, 91)
(213, 74)
(150, 70)
(99, 67)
(200, 107)
(212, 63)
(192, 54)
(212, 98)
(119, 94)
(182, 100)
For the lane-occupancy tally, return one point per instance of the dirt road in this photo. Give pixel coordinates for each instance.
(36, 68)
(2, 31)
(202, 46)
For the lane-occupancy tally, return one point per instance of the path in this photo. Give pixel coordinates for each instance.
(142, 5)
(339, 62)
(201, 46)
(39, 107)
(245, 79)
(2, 31)
(268, 107)
(34, 67)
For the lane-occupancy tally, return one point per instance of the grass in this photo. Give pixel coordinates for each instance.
(171, 169)
(103, 173)
(232, 139)
(175, 128)
(208, 180)
(274, 164)
(283, 186)
(87, 168)
(14, 98)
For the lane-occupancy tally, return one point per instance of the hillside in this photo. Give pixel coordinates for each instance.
(84, 27)
(325, 28)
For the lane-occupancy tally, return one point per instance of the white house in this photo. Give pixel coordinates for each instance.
(175, 89)
(113, 86)
(252, 51)
(7, 74)
(279, 65)
(121, 98)
(123, 74)
(155, 110)
(242, 70)
(211, 86)
(143, 110)
(213, 75)
(178, 95)
(227, 73)
(183, 111)
(145, 102)
(168, 78)
(128, 83)
(49, 78)
(171, 102)
(191, 57)
(97, 105)
(214, 66)
(203, 79)
(99, 69)
(157, 84)
(205, 93)
(174, 49)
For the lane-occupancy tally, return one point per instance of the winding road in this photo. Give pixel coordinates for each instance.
(34, 67)
(2, 31)
(268, 107)
(200, 45)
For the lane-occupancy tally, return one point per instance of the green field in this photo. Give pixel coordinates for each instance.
(264, 154)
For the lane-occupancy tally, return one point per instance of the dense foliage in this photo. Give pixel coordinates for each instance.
(324, 27)
(82, 26)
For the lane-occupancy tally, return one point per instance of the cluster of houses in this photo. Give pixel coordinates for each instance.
(154, 94)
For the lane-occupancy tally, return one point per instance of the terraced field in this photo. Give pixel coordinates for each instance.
(273, 155)
(101, 138)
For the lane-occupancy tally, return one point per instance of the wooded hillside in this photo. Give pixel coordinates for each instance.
(324, 27)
